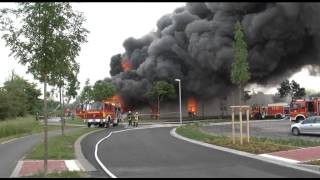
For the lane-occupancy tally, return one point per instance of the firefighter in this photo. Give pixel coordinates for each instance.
(136, 120)
(129, 118)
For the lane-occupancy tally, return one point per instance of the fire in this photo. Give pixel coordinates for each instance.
(116, 99)
(126, 65)
(192, 105)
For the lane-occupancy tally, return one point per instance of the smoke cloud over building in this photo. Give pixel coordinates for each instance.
(194, 43)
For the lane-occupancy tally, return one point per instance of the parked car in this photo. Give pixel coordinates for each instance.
(310, 125)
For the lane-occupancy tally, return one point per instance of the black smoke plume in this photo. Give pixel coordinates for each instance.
(194, 43)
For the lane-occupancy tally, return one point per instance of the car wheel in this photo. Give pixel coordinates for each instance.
(295, 131)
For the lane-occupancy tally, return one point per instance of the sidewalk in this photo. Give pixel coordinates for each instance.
(296, 156)
(32, 167)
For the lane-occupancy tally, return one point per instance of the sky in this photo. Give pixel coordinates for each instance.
(109, 25)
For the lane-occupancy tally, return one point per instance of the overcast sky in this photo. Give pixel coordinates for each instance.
(109, 25)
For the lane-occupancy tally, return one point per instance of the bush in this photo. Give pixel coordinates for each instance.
(18, 126)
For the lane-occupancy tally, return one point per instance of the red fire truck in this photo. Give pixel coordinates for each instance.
(300, 109)
(103, 114)
(276, 110)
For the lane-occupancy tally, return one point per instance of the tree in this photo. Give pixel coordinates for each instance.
(161, 90)
(103, 90)
(291, 89)
(72, 87)
(33, 32)
(240, 74)
(18, 97)
(86, 93)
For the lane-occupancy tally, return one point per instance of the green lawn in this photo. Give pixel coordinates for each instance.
(60, 147)
(22, 126)
(74, 120)
(65, 174)
(256, 145)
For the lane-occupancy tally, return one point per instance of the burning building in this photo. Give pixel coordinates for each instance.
(192, 107)
(194, 44)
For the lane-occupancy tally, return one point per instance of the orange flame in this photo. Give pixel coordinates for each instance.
(116, 99)
(126, 65)
(192, 105)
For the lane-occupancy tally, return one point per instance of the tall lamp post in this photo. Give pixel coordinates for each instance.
(179, 81)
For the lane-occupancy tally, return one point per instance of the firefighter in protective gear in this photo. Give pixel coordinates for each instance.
(136, 120)
(130, 118)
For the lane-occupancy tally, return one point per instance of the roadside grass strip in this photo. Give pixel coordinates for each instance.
(256, 145)
(59, 147)
(195, 138)
(12, 129)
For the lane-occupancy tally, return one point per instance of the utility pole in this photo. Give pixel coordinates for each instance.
(179, 81)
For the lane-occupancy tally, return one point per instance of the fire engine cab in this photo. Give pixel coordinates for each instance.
(300, 109)
(276, 110)
(103, 114)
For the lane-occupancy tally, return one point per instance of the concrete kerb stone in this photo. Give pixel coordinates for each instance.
(249, 155)
(83, 163)
(17, 169)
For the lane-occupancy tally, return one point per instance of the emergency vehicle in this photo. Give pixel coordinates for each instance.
(103, 114)
(300, 109)
(275, 110)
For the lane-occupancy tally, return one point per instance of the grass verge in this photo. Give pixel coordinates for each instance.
(22, 126)
(256, 145)
(65, 174)
(316, 163)
(74, 120)
(59, 147)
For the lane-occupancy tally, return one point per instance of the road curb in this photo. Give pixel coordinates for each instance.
(17, 169)
(84, 164)
(245, 154)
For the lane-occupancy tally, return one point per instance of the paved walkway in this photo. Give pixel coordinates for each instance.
(297, 156)
(32, 167)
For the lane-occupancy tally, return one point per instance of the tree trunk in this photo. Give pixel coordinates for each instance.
(61, 113)
(63, 118)
(45, 127)
(240, 95)
(158, 107)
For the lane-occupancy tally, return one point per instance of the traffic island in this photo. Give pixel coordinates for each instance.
(27, 168)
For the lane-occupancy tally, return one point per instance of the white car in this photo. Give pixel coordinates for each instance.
(311, 125)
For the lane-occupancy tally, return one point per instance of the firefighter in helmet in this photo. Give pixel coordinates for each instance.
(130, 118)
(136, 120)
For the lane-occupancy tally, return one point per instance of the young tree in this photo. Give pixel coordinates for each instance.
(86, 94)
(161, 90)
(33, 32)
(291, 89)
(103, 90)
(240, 74)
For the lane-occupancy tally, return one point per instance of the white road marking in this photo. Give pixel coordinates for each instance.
(280, 158)
(72, 165)
(106, 170)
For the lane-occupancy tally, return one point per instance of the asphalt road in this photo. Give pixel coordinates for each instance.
(12, 152)
(155, 153)
(269, 129)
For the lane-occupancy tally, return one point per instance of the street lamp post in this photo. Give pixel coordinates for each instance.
(179, 81)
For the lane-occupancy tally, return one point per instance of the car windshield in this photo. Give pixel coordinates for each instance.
(309, 120)
(96, 106)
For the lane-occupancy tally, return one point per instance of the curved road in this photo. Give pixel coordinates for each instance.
(155, 153)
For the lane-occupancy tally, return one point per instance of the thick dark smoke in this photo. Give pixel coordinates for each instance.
(194, 43)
